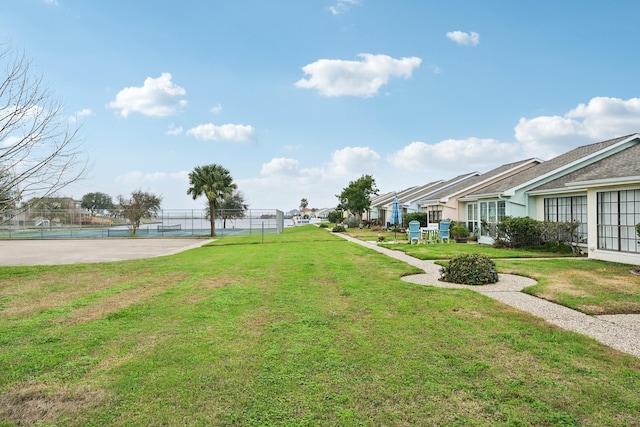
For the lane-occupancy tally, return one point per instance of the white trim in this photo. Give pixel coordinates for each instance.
(605, 182)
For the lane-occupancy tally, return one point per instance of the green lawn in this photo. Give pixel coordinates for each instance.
(303, 329)
(590, 286)
(439, 251)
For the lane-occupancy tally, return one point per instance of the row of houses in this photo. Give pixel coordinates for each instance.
(597, 185)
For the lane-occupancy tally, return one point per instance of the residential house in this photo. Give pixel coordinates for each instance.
(411, 202)
(602, 177)
(445, 203)
(376, 211)
(384, 205)
(605, 197)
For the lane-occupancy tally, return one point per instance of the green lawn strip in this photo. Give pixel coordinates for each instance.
(590, 286)
(438, 251)
(318, 331)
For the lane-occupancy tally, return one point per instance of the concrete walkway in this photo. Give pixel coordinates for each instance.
(75, 251)
(621, 332)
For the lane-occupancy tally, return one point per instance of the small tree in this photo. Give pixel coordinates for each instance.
(140, 205)
(232, 206)
(356, 197)
(94, 202)
(335, 216)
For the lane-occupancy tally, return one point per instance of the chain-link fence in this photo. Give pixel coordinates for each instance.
(79, 223)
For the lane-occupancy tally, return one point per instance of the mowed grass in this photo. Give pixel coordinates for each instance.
(305, 329)
(589, 286)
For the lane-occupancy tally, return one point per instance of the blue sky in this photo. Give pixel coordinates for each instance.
(297, 98)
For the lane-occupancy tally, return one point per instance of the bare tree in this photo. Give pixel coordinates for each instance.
(141, 205)
(39, 147)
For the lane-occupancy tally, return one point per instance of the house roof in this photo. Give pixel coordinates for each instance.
(556, 164)
(625, 163)
(418, 192)
(383, 199)
(477, 181)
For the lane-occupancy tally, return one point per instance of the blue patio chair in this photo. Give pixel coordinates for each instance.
(444, 229)
(414, 231)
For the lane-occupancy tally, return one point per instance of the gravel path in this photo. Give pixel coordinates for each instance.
(620, 331)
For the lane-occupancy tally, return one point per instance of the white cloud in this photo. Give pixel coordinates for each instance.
(602, 118)
(451, 154)
(334, 77)
(462, 38)
(353, 160)
(158, 97)
(226, 132)
(85, 112)
(51, 2)
(342, 6)
(284, 181)
(10, 141)
(281, 166)
(174, 130)
(216, 109)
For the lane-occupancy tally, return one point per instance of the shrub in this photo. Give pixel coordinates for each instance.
(352, 222)
(335, 217)
(470, 269)
(638, 229)
(376, 228)
(418, 216)
(517, 232)
(323, 225)
(338, 229)
(459, 231)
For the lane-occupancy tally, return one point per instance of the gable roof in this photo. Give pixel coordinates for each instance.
(424, 190)
(477, 181)
(383, 199)
(545, 169)
(407, 194)
(623, 164)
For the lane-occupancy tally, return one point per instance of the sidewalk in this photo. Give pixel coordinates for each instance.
(621, 332)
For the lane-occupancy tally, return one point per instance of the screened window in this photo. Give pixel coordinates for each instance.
(618, 214)
(568, 209)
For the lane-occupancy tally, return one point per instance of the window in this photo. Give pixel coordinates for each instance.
(568, 209)
(472, 216)
(491, 213)
(618, 213)
(434, 214)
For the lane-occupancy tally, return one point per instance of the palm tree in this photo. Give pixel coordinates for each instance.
(215, 182)
(303, 205)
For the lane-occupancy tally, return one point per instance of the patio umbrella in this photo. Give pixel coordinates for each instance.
(396, 215)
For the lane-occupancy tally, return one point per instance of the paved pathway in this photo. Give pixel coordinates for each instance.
(74, 251)
(621, 332)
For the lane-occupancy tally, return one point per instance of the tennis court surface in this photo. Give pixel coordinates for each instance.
(76, 251)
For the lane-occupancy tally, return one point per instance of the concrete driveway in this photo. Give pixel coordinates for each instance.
(76, 251)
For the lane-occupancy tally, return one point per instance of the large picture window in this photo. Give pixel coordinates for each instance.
(618, 213)
(568, 209)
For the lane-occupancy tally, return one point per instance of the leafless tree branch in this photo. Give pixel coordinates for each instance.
(40, 150)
